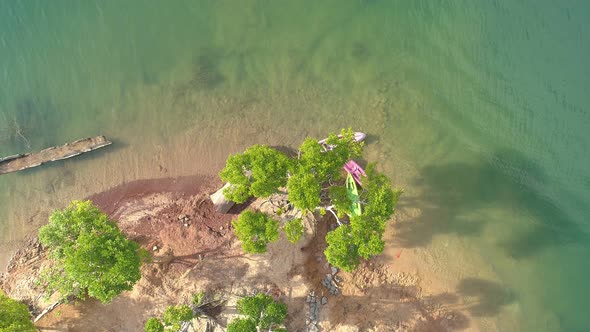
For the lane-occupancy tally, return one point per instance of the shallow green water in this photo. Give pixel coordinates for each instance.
(478, 109)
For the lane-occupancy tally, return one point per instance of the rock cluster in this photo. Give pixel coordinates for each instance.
(184, 219)
(313, 314)
(331, 281)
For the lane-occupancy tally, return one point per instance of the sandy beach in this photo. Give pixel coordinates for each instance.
(195, 250)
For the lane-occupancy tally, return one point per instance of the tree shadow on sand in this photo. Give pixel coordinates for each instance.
(122, 314)
(397, 306)
(402, 306)
(455, 197)
(484, 298)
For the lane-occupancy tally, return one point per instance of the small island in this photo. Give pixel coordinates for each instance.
(295, 253)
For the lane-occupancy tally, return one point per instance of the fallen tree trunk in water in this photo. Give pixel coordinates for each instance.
(28, 160)
(222, 205)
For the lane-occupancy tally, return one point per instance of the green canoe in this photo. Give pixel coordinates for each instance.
(353, 194)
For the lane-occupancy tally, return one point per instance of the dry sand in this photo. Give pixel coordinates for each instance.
(196, 251)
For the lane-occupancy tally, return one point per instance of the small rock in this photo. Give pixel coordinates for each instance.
(329, 277)
(334, 270)
(155, 248)
(185, 225)
(337, 279)
(308, 299)
(324, 300)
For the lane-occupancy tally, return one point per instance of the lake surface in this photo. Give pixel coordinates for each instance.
(479, 109)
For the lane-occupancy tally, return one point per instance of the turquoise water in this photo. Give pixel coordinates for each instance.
(477, 108)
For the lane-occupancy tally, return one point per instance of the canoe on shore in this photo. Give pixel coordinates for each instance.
(358, 137)
(28, 160)
(355, 170)
(353, 194)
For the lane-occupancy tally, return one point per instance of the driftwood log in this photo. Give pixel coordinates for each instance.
(47, 310)
(222, 205)
(28, 160)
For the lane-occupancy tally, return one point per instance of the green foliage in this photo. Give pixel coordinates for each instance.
(198, 298)
(174, 316)
(154, 325)
(325, 165)
(262, 310)
(259, 172)
(316, 166)
(304, 191)
(340, 199)
(379, 197)
(92, 255)
(255, 230)
(342, 250)
(172, 319)
(14, 316)
(242, 325)
(363, 237)
(294, 230)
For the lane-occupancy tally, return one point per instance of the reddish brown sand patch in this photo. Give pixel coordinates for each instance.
(173, 218)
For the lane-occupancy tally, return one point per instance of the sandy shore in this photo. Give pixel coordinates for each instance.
(196, 251)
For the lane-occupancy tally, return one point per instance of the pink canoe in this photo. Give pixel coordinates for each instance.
(355, 170)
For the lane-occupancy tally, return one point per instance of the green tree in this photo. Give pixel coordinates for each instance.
(294, 230)
(154, 325)
(340, 200)
(363, 237)
(317, 166)
(14, 316)
(342, 250)
(261, 311)
(304, 191)
(255, 230)
(326, 165)
(174, 316)
(315, 172)
(259, 172)
(242, 325)
(91, 254)
(378, 197)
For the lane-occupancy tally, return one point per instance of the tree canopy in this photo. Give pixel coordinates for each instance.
(255, 230)
(363, 236)
(91, 254)
(314, 183)
(294, 230)
(261, 312)
(304, 190)
(14, 316)
(259, 172)
(242, 325)
(154, 324)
